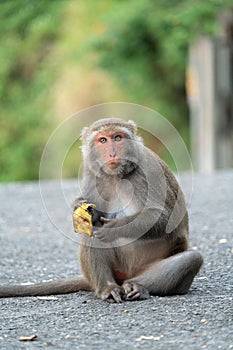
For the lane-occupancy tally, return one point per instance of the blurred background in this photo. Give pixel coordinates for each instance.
(58, 57)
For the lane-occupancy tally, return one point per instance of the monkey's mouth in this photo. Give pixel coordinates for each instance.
(113, 164)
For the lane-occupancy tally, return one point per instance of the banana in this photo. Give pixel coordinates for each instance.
(82, 219)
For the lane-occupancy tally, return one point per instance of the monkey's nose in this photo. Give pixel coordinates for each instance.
(112, 155)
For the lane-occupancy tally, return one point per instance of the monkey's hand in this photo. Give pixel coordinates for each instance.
(78, 203)
(104, 233)
(112, 294)
(134, 291)
(104, 220)
(149, 220)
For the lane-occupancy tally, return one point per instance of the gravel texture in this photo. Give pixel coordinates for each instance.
(32, 249)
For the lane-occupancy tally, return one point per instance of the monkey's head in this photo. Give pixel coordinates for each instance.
(111, 145)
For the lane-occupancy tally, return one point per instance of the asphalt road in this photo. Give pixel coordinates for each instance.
(32, 249)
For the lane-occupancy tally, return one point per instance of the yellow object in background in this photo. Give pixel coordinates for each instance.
(82, 219)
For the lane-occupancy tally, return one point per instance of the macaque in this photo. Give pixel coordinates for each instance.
(139, 245)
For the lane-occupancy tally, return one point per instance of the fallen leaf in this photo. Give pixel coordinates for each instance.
(222, 241)
(31, 338)
(204, 320)
(25, 228)
(72, 336)
(200, 278)
(126, 310)
(143, 337)
(47, 298)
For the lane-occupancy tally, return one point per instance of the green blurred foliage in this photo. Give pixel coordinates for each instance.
(28, 30)
(143, 44)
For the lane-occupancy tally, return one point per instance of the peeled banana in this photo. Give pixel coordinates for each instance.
(82, 219)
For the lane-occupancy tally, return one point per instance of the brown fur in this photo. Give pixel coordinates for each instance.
(140, 222)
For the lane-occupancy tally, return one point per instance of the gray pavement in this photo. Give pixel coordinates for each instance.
(32, 249)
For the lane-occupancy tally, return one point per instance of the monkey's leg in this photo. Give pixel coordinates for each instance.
(97, 267)
(173, 275)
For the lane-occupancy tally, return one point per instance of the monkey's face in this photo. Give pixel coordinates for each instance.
(113, 152)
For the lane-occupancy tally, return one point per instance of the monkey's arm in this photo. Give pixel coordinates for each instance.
(148, 223)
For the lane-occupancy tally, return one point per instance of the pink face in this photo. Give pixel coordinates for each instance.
(110, 146)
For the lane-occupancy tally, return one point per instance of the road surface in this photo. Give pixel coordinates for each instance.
(33, 249)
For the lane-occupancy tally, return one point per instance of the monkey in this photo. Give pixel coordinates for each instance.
(139, 245)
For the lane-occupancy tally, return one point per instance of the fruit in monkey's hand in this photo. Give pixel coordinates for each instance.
(82, 218)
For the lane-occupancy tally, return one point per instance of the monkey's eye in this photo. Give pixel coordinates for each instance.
(102, 139)
(118, 138)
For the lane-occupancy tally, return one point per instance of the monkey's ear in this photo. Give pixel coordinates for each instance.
(132, 126)
(84, 134)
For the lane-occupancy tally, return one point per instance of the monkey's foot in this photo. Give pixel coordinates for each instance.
(134, 291)
(112, 294)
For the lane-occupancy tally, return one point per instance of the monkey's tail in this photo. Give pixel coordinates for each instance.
(62, 286)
